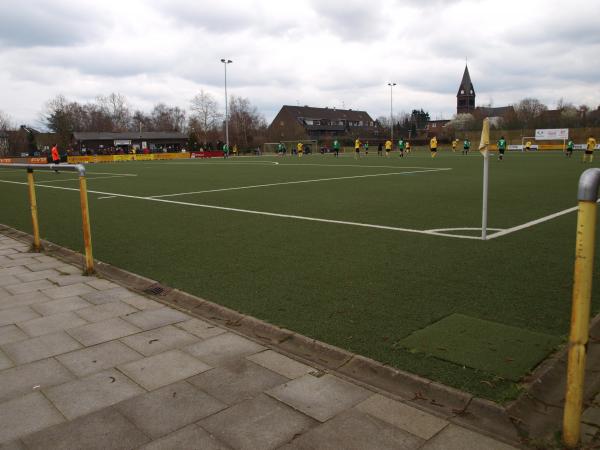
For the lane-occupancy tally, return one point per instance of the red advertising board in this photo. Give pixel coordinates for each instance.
(207, 154)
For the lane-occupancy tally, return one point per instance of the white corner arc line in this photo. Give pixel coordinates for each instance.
(299, 182)
(248, 211)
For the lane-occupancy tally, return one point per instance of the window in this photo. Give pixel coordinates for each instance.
(462, 91)
(471, 92)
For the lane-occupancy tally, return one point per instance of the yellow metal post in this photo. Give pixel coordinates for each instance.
(34, 217)
(85, 221)
(580, 318)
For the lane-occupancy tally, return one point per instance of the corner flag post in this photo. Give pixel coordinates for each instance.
(483, 148)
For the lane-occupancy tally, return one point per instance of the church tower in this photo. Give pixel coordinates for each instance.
(465, 98)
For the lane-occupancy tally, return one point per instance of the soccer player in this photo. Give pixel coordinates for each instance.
(279, 149)
(357, 148)
(589, 149)
(527, 146)
(299, 149)
(366, 147)
(570, 147)
(407, 146)
(55, 155)
(501, 148)
(433, 144)
(454, 141)
(225, 151)
(466, 146)
(380, 149)
(336, 148)
(388, 148)
(235, 150)
(401, 146)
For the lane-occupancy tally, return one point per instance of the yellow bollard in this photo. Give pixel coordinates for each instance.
(85, 221)
(580, 318)
(34, 217)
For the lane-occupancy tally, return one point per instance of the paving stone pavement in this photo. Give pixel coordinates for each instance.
(88, 364)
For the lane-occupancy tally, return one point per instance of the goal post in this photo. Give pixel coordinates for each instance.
(83, 197)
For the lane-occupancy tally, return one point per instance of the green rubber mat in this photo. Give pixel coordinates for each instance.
(506, 351)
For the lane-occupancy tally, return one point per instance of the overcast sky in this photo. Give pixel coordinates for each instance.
(310, 52)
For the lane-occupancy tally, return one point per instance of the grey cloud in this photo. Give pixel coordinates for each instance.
(38, 23)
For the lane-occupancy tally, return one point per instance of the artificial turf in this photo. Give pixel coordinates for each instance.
(363, 289)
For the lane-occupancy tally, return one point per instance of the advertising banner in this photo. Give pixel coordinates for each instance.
(552, 134)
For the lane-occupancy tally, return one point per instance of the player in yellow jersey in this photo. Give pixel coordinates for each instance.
(388, 148)
(589, 148)
(407, 146)
(300, 149)
(357, 148)
(433, 144)
(454, 142)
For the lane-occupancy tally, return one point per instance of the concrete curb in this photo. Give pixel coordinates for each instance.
(527, 417)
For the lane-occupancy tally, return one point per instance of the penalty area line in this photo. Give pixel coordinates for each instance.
(300, 182)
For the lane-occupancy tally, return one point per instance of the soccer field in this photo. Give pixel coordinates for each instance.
(378, 256)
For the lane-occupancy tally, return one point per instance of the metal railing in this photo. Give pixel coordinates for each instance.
(587, 195)
(85, 213)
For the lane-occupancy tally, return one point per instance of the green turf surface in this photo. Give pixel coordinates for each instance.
(363, 289)
(502, 350)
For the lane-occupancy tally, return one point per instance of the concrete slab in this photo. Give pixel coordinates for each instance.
(107, 296)
(169, 408)
(163, 369)
(258, 423)
(8, 280)
(50, 324)
(25, 415)
(99, 332)
(189, 437)
(8, 263)
(159, 340)
(5, 362)
(26, 299)
(353, 430)
(31, 286)
(13, 445)
(40, 347)
(139, 302)
(97, 358)
(106, 429)
(320, 398)
(100, 284)
(155, 318)
(36, 266)
(11, 333)
(21, 255)
(69, 269)
(14, 270)
(89, 394)
(60, 305)
(28, 378)
(200, 328)
(224, 348)
(69, 291)
(16, 315)
(281, 364)
(66, 280)
(457, 438)
(403, 416)
(41, 275)
(45, 258)
(107, 311)
(237, 381)
(591, 416)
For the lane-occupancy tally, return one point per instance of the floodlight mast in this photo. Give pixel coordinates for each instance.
(391, 85)
(225, 62)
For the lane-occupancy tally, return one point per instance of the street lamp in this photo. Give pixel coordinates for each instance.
(391, 85)
(225, 62)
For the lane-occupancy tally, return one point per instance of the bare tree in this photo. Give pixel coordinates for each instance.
(5, 122)
(529, 110)
(168, 118)
(115, 106)
(246, 123)
(206, 114)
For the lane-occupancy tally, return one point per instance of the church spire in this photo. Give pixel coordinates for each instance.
(465, 98)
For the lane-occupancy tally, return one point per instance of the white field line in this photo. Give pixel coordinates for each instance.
(299, 182)
(111, 173)
(532, 223)
(438, 230)
(262, 213)
(221, 163)
(75, 179)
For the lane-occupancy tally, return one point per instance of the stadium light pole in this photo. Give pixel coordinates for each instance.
(225, 62)
(391, 85)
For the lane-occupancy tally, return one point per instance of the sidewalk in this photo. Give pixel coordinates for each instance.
(88, 364)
